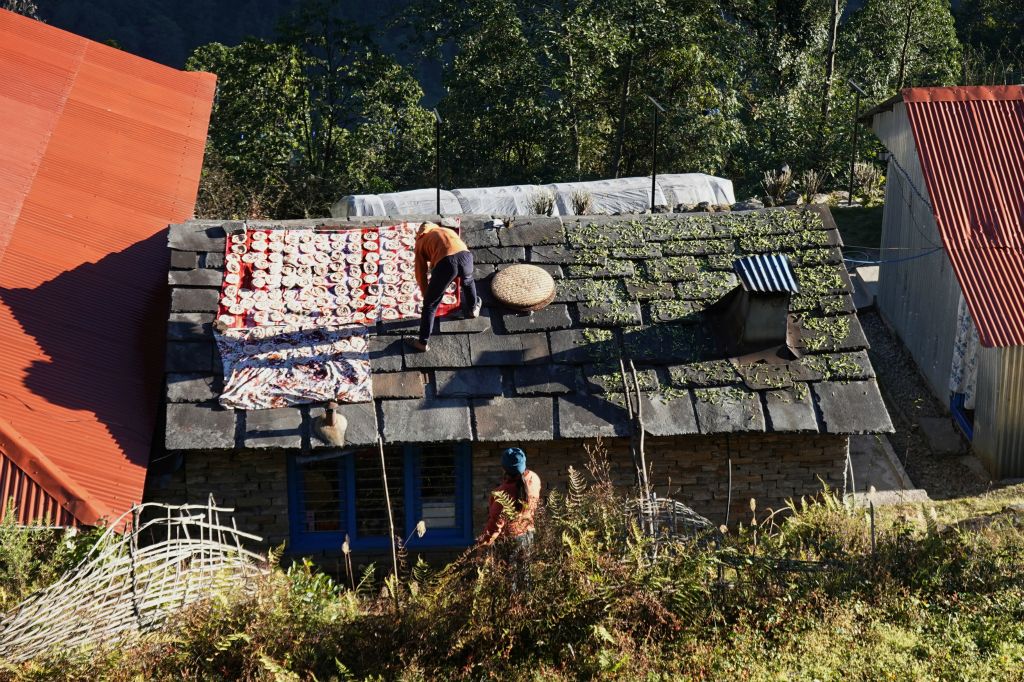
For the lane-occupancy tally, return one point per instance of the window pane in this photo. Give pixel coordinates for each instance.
(437, 499)
(371, 510)
(324, 495)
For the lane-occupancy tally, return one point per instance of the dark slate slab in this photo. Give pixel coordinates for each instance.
(532, 232)
(667, 343)
(426, 421)
(637, 252)
(482, 271)
(194, 300)
(190, 388)
(512, 420)
(704, 374)
(184, 260)
(195, 278)
(457, 324)
(649, 291)
(608, 378)
(829, 337)
(609, 314)
(189, 356)
(199, 427)
(854, 407)
(508, 349)
(446, 350)
(555, 316)
(478, 382)
(790, 409)
(727, 410)
(668, 415)
(478, 235)
(386, 353)
(196, 236)
(213, 260)
(280, 427)
(560, 255)
(190, 326)
(360, 427)
(546, 379)
(578, 346)
(605, 269)
(398, 385)
(839, 366)
(588, 416)
(402, 326)
(499, 254)
(550, 268)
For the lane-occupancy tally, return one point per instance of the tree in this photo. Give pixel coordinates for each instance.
(26, 8)
(892, 44)
(322, 113)
(992, 33)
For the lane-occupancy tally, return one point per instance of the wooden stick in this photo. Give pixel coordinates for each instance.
(391, 518)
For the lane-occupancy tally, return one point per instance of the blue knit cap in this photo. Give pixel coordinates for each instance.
(513, 460)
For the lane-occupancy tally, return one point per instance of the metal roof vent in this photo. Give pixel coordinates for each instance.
(754, 317)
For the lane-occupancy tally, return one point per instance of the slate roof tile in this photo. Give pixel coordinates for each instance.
(275, 428)
(533, 366)
(727, 410)
(511, 420)
(426, 421)
(477, 382)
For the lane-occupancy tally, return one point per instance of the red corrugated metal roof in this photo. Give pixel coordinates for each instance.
(970, 141)
(99, 151)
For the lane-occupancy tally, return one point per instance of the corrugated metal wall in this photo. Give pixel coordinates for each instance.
(999, 411)
(918, 297)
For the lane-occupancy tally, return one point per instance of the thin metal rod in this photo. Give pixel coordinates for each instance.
(437, 158)
(391, 518)
(853, 152)
(654, 158)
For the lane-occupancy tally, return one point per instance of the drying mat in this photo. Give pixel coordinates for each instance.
(523, 287)
(264, 368)
(323, 277)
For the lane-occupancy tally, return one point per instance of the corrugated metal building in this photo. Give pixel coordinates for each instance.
(99, 151)
(953, 283)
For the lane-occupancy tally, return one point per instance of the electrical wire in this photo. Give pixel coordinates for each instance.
(892, 260)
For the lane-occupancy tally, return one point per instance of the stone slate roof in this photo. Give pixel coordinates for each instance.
(629, 286)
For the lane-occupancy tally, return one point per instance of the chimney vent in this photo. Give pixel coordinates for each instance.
(754, 316)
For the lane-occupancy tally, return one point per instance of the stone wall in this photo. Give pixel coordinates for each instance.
(768, 467)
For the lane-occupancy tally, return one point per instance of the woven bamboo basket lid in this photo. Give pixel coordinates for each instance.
(523, 287)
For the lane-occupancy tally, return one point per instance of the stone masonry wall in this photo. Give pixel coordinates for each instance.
(768, 467)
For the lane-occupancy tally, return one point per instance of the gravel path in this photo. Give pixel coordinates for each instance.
(908, 399)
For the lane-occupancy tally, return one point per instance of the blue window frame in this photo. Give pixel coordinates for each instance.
(338, 494)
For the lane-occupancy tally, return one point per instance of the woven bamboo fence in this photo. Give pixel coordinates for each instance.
(168, 557)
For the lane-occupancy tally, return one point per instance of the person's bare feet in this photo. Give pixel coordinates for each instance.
(418, 345)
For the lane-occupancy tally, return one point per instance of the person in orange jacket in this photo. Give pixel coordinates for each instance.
(522, 487)
(441, 253)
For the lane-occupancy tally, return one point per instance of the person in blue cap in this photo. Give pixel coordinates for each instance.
(522, 487)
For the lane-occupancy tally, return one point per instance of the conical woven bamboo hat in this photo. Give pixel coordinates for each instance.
(523, 287)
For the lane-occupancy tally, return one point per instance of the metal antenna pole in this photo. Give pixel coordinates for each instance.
(856, 128)
(437, 157)
(654, 149)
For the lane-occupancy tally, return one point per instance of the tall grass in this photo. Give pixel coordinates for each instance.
(800, 593)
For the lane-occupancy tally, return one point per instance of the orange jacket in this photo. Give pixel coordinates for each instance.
(498, 525)
(433, 243)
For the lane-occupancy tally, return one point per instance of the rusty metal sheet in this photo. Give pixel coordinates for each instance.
(970, 141)
(99, 151)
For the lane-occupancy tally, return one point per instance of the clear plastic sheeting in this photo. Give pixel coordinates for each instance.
(695, 188)
(620, 195)
(412, 202)
(510, 200)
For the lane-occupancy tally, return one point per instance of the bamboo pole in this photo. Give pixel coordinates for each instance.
(391, 518)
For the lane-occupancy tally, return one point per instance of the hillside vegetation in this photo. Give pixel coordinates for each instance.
(801, 594)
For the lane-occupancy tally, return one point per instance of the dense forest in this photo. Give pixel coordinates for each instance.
(322, 98)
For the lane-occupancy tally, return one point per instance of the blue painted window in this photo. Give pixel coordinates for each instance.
(334, 495)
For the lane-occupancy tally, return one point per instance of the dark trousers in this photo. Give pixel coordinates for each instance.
(444, 273)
